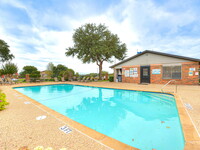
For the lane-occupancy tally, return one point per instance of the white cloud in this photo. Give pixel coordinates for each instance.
(140, 24)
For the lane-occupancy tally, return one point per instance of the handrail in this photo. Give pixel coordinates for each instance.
(167, 84)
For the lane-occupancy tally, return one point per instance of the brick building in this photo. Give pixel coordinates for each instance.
(158, 68)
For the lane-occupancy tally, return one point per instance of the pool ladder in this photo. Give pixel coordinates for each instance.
(167, 84)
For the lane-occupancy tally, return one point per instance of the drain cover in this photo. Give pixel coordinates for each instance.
(27, 102)
(41, 117)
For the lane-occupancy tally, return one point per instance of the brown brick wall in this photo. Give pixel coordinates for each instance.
(186, 79)
(157, 78)
(130, 79)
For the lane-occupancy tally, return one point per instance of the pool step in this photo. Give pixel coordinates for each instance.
(162, 97)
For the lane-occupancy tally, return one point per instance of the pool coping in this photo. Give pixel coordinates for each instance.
(189, 132)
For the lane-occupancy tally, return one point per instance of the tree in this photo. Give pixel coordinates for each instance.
(92, 75)
(104, 73)
(50, 66)
(1, 72)
(5, 54)
(31, 70)
(70, 73)
(9, 69)
(67, 74)
(58, 69)
(49, 70)
(96, 44)
(77, 74)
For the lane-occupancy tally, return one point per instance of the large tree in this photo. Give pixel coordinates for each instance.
(5, 54)
(96, 44)
(31, 70)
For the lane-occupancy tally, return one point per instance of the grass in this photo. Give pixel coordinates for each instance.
(102, 80)
(21, 80)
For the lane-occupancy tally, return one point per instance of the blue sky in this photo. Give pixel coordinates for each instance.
(39, 31)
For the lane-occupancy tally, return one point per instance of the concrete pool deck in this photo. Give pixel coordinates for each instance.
(19, 127)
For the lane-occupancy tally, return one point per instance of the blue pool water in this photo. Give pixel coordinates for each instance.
(144, 120)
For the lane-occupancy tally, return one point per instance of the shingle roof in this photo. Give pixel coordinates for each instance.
(158, 53)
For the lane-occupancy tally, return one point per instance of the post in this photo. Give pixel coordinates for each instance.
(176, 87)
(27, 78)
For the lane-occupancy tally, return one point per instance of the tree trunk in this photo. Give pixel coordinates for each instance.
(100, 70)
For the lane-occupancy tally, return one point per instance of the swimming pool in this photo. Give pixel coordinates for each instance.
(144, 120)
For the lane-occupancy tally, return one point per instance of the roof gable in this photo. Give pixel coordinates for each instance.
(157, 53)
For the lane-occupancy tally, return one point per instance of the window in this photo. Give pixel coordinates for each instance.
(176, 72)
(145, 71)
(171, 72)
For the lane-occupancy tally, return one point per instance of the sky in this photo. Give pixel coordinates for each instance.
(39, 31)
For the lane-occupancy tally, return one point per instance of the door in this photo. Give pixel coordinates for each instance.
(119, 75)
(145, 74)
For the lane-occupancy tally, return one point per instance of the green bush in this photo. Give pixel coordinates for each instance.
(51, 80)
(111, 79)
(59, 78)
(34, 76)
(3, 102)
(21, 80)
(32, 79)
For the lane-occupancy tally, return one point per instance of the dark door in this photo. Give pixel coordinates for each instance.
(145, 74)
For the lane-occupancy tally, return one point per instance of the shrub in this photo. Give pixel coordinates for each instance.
(21, 80)
(34, 75)
(59, 78)
(9, 68)
(3, 102)
(111, 78)
(51, 80)
(32, 80)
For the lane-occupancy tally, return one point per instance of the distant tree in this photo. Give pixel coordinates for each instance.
(77, 74)
(67, 74)
(50, 66)
(1, 72)
(70, 73)
(104, 73)
(5, 54)
(31, 70)
(49, 70)
(93, 74)
(9, 69)
(96, 44)
(58, 69)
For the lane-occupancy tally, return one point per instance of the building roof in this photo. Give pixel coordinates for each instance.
(158, 53)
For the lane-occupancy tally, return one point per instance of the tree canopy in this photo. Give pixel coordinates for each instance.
(31, 70)
(58, 69)
(96, 44)
(50, 66)
(5, 54)
(49, 70)
(9, 69)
